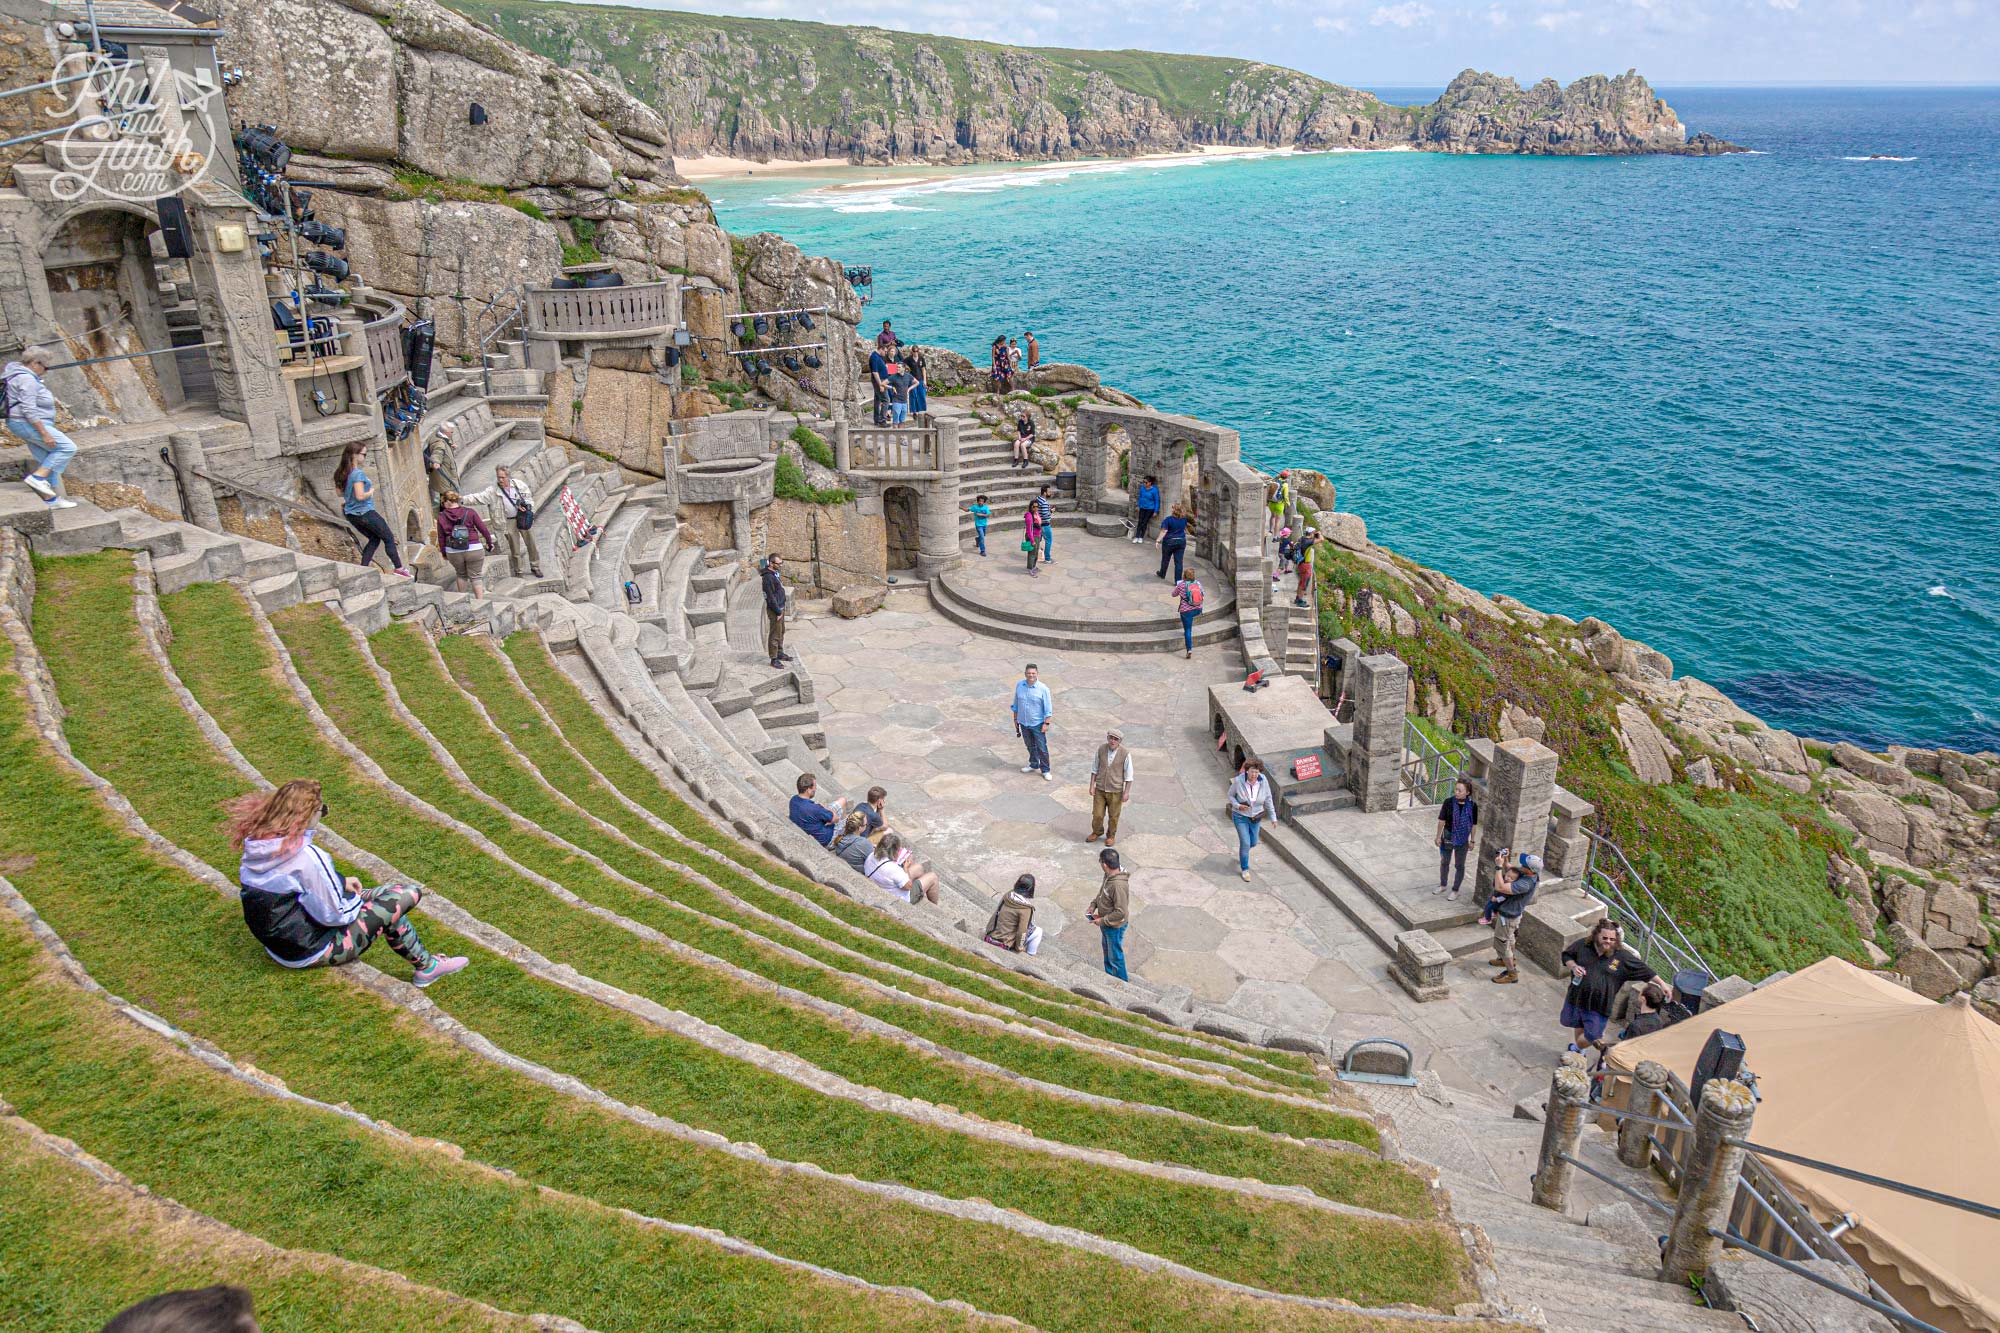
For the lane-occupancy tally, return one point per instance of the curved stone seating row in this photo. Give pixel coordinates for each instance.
(366, 977)
(676, 737)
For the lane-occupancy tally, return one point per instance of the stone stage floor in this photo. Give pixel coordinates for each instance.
(1094, 580)
(920, 706)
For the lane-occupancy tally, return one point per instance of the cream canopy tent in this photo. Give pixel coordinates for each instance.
(1857, 1071)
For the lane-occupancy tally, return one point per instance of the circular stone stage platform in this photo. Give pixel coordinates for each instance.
(1099, 594)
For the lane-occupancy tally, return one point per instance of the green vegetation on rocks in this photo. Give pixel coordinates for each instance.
(1742, 869)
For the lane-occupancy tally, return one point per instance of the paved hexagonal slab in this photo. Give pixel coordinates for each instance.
(1186, 928)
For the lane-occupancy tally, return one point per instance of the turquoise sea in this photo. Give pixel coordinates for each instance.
(1745, 409)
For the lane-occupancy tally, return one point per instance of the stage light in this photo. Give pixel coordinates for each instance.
(262, 143)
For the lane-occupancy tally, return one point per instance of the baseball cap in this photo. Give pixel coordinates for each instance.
(1529, 861)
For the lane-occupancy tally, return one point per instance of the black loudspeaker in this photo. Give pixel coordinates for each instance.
(608, 278)
(564, 284)
(419, 340)
(1721, 1057)
(673, 357)
(174, 227)
(477, 115)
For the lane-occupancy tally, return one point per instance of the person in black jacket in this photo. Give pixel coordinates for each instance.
(774, 605)
(1598, 964)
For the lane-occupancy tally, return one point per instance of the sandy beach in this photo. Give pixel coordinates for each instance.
(721, 168)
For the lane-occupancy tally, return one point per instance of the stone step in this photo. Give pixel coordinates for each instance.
(777, 685)
(1334, 884)
(957, 584)
(366, 611)
(78, 531)
(25, 512)
(794, 715)
(706, 608)
(713, 579)
(277, 592)
(1208, 630)
(1315, 803)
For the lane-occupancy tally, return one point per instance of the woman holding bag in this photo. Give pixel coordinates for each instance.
(516, 504)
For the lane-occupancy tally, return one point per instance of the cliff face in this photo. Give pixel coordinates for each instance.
(765, 88)
(375, 99)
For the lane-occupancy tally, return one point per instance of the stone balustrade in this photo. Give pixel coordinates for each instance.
(383, 336)
(904, 451)
(585, 314)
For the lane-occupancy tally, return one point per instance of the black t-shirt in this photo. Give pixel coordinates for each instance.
(1602, 976)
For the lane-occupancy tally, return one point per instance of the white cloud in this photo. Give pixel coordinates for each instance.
(1325, 24)
(1784, 4)
(1408, 14)
(1496, 16)
(1554, 20)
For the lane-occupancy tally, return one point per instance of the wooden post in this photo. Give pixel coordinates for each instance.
(1569, 1098)
(1708, 1185)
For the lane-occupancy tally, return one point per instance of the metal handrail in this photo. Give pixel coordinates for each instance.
(512, 315)
(1887, 1309)
(1760, 1193)
(1430, 774)
(1914, 1191)
(1640, 911)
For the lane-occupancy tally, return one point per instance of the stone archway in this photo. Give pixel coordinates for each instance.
(900, 527)
(106, 273)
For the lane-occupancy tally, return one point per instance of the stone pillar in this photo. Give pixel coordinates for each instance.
(1649, 1089)
(1278, 629)
(937, 509)
(669, 510)
(1708, 1184)
(1419, 966)
(739, 525)
(1569, 1099)
(842, 450)
(1375, 764)
(1520, 785)
(189, 458)
(1093, 465)
(236, 315)
(1568, 849)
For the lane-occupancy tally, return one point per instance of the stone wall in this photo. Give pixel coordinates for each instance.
(829, 547)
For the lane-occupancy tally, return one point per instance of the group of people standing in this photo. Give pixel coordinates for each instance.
(900, 377)
(1010, 359)
(462, 532)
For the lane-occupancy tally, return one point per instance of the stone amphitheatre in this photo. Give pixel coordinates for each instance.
(698, 1073)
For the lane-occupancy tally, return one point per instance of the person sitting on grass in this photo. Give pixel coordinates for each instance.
(896, 870)
(852, 846)
(297, 904)
(821, 821)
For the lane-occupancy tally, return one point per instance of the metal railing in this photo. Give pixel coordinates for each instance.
(1658, 938)
(900, 449)
(1765, 1218)
(500, 316)
(594, 312)
(1428, 770)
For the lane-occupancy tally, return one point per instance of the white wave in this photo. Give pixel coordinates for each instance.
(1939, 590)
(1879, 157)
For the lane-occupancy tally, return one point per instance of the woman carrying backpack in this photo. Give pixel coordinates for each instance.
(1189, 593)
(357, 502)
(464, 538)
(1012, 925)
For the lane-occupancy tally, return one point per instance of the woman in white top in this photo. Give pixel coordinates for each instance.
(896, 870)
(1250, 800)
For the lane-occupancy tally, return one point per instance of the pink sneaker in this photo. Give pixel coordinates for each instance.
(404, 574)
(440, 967)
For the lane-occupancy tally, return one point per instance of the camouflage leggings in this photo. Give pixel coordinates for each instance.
(385, 914)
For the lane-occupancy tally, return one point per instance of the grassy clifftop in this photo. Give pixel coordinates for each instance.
(819, 73)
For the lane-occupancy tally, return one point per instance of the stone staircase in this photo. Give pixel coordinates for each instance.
(1592, 1268)
(985, 467)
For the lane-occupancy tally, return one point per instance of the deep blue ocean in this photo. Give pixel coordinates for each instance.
(1745, 409)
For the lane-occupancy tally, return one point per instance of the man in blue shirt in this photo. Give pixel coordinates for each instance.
(1148, 502)
(1032, 710)
(878, 375)
(810, 815)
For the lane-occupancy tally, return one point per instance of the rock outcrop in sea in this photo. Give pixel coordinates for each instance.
(771, 88)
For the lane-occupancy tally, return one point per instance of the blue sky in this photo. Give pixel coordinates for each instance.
(1427, 41)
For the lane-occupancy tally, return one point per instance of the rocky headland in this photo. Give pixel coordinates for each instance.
(781, 89)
